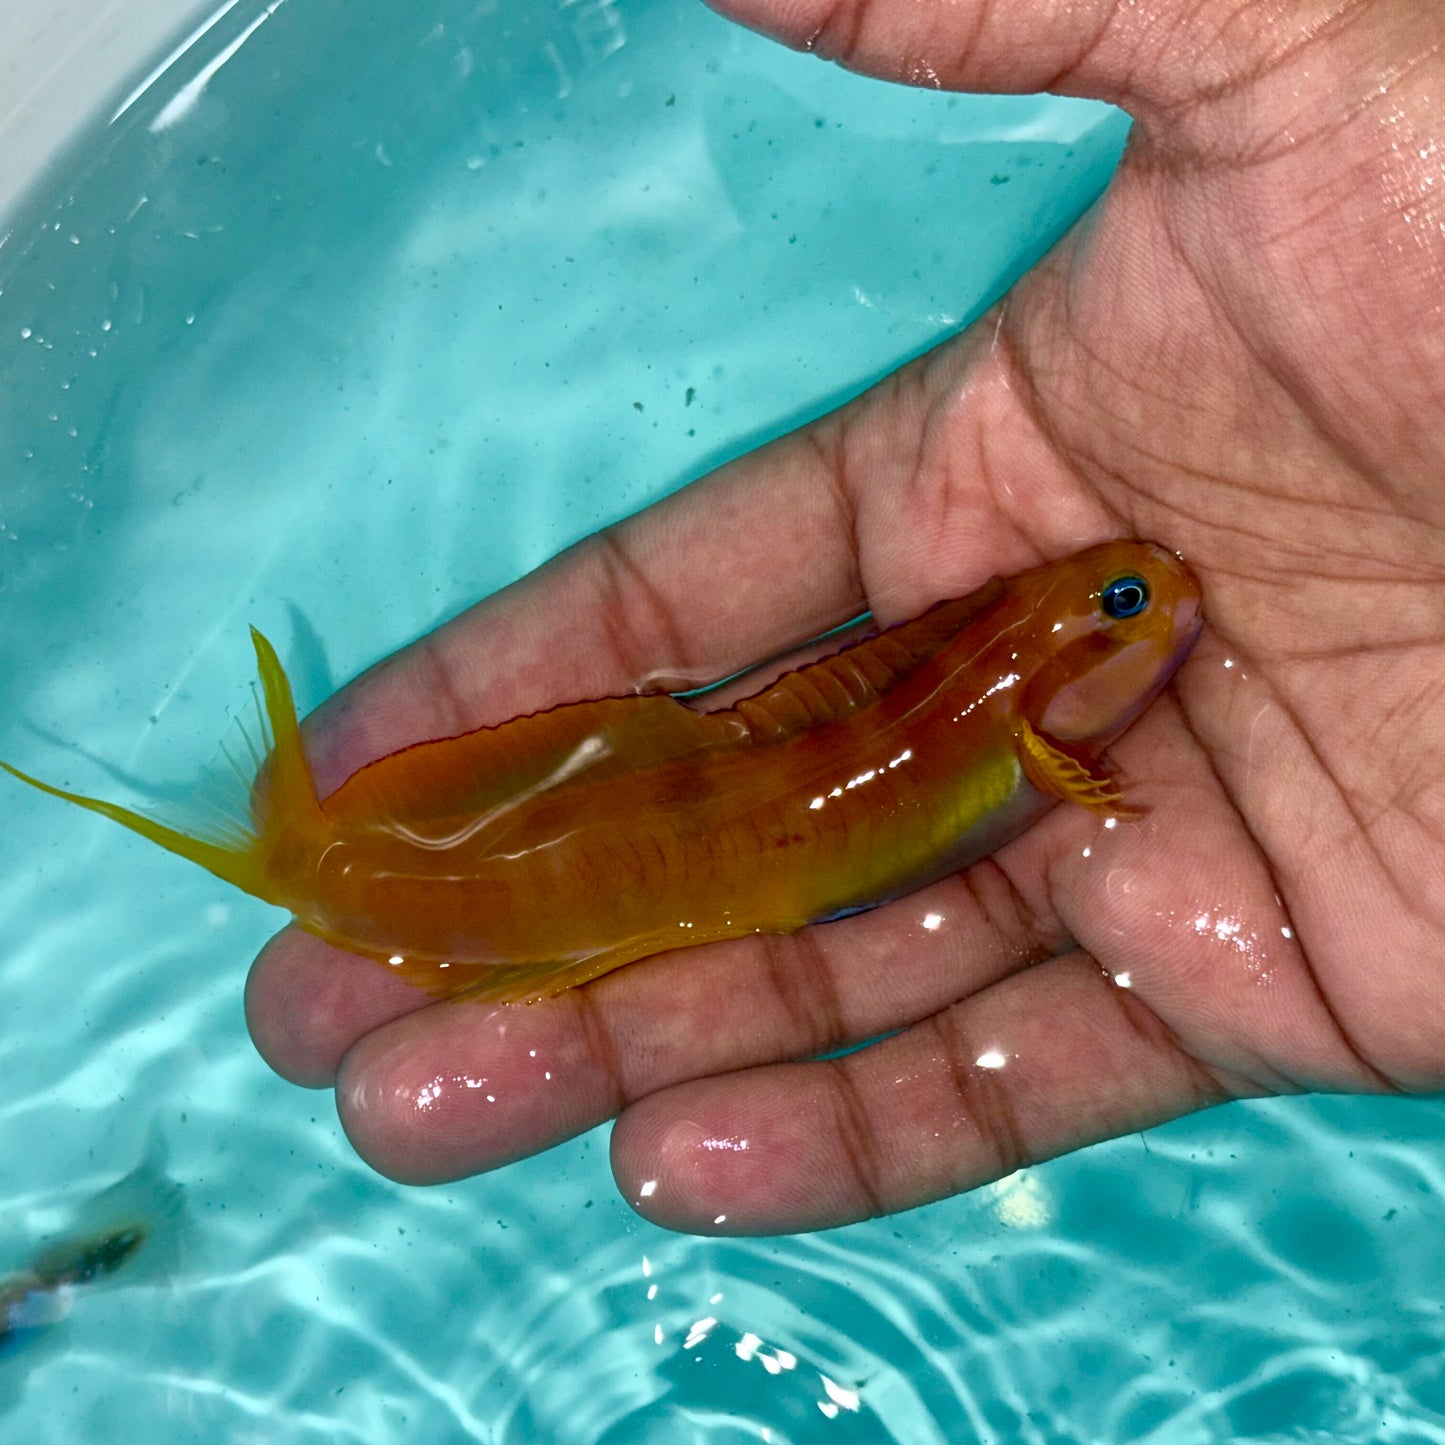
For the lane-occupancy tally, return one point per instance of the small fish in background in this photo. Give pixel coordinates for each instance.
(133, 1226)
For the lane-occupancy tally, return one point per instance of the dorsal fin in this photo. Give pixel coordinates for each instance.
(836, 687)
(478, 771)
(470, 774)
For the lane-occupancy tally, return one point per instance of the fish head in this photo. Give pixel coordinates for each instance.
(1109, 627)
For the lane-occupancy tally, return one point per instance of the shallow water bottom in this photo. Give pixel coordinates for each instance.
(337, 336)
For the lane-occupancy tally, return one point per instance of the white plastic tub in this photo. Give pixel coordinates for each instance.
(60, 60)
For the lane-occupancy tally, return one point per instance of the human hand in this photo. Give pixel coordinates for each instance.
(1238, 354)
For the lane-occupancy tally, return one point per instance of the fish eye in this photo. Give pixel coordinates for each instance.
(1125, 596)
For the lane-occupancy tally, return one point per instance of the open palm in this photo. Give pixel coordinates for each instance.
(1240, 355)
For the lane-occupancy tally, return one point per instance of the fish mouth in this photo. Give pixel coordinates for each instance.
(1188, 623)
(1186, 603)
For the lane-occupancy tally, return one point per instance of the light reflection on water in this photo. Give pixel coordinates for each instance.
(392, 307)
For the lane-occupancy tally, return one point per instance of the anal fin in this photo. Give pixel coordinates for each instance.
(535, 980)
(509, 983)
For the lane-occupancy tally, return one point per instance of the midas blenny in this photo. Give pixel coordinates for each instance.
(518, 860)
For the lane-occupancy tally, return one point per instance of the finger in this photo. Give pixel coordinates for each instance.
(669, 599)
(455, 1089)
(458, 1088)
(1148, 58)
(307, 1003)
(1037, 1065)
(921, 489)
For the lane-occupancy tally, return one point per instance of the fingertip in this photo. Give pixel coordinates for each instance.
(463, 1087)
(439, 1095)
(307, 1003)
(682, 1162)
(794, 23)
(393, 1112)
(275, 1005)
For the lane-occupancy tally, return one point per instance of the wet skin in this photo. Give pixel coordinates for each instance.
(1239, 354)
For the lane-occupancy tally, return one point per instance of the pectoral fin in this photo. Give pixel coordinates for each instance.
(1059, 775)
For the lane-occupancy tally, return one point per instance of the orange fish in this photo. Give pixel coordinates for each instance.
(516, 861)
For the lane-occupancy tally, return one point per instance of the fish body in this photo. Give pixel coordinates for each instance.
(515, 861)
(139, 1211)
(37, 1298)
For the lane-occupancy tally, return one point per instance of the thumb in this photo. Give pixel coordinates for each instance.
(1150, 56)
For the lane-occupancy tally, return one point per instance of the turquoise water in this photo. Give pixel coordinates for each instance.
(349, 317)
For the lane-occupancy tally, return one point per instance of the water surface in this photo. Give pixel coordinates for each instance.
(347, 317)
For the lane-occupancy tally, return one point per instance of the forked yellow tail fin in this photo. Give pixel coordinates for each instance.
(233, 849)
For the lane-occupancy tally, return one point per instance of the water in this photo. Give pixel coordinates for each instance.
(351, 316)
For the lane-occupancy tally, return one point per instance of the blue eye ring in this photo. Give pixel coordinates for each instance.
(1125, 596)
